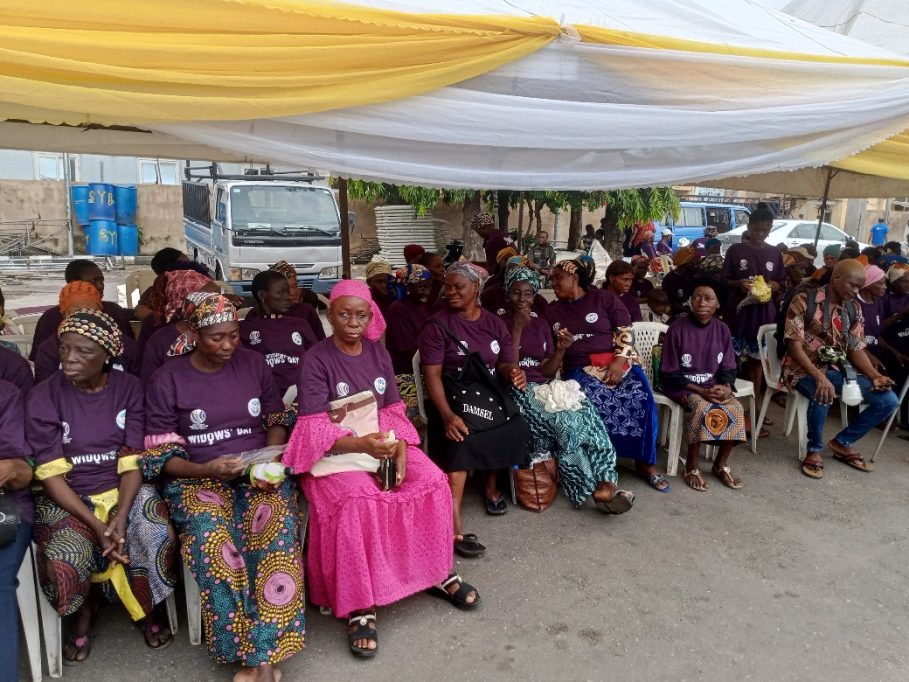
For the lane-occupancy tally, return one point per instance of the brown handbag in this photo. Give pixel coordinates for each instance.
(537, 487)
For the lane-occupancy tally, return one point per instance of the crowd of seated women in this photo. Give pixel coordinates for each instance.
(203, 435)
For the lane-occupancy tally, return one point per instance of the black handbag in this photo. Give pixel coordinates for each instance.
(474, 394)
(10, 518)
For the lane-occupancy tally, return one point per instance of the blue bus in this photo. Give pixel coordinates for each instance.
(694, 216)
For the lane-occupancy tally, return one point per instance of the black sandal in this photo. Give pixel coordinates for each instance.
(364, 631)
(459, 597)
(496, 507)
(469, 546)
(621, 502)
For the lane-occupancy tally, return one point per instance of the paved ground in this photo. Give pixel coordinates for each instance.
(788, 579)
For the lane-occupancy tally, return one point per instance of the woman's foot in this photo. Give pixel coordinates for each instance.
(362, 635)
(496, 505)
(654, 478)
(262, 673)
(455, 590)
(78, 645)
(156, 632)
(695, 480)
(468, 545)
(620, 503)
(726, 477)
(813, 465)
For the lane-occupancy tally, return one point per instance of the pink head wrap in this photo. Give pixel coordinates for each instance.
(873, 274)
(358, 289)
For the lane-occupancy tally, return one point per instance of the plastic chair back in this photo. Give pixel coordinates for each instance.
(646, 336)
(770, 362)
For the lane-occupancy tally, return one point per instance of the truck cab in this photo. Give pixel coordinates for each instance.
(240, 225)
(694, 216)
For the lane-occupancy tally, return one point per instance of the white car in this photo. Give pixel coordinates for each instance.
(792, 233)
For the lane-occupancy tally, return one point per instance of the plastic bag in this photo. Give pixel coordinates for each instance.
(759, 293)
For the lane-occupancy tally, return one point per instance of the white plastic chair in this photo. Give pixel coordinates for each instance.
(902, 397)
(646, 313)
(742, 389)
(646, 335)
(27, 324)
(421, 394)
(27, 597)
(137, 282)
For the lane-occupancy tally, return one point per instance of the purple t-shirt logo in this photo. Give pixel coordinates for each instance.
(197, 417)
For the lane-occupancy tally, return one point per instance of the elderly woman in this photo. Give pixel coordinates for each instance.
(584, 453)
(369, 545)
(456, 334)
(302, 303)
(494, 298)
(81, 296)
(238, 535)
(619, 280)
(697, 370)
(275, 334)
(170, 291)
(601, 359)
(640, 285)
(96, 523)
(15, 475)
(380, 277)
(895, 331)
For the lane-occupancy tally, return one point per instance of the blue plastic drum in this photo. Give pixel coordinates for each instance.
(80, 204)
(128, 236)
(125, 197)
(102, 203)
(102, 238)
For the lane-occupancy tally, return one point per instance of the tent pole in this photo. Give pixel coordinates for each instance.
(823, 208)
(345, 228)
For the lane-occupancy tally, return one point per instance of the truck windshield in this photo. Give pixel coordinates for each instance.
(282, 209)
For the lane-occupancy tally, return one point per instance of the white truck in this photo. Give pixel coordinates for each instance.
(239, 225)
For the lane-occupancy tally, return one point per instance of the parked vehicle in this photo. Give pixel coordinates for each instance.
(694, 216)
(238, 225)
(792, 233)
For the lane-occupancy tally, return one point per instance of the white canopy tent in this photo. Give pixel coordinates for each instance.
(630, 94)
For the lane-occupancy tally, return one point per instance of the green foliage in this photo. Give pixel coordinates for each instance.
(423, 199)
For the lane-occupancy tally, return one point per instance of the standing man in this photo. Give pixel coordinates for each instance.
(588, 238)
(542, 255)
(664, 246)
(493, 240)
(879, 233)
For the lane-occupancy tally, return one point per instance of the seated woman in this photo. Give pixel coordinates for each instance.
(81, 296)
(584, 453)
(164, 326)
(406, 319)
(380, 278)
(640, 266)
(452, 446)
(697, 370)
(15, 475)
(303, 303)
(368, 547)
(619, 279)
(238, 535)
(493, 297)
(98, 529)
(601, 360)
(281, 338)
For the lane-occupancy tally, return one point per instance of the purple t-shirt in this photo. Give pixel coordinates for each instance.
(329, 374)
(641, 287)
(495, 242)
(488, 335)
(697, 352)
(406, 319)
(15, 369)
(537, 346)
(873, 312)
(744, 261)
(630, 301)
(495, 300)
(592, 320)
(155, 352)
(217, 413)
(282, 341)
(678, 289)
(304, 311)
(52, 317)
(88, 429)
(12, 440)
(47, 360)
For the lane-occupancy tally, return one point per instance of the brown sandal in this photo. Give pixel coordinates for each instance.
(696, 481)
(727, 479)
(813, 468)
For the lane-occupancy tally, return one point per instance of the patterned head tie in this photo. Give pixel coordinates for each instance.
(81, 293)
(569, 266)
(522, 274)
(378, 267)
(202, 309)
(589, 265)
(481, 220)
(413, 274)
(180, 284)
(473, 273)
(517, 260)
(504, 255)
(97, 326)
(282, 267)
(684, 255)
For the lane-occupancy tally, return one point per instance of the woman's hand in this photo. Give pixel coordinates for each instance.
(882, 383)
(455, 428)
(115, 532)
(109, 548)
(224, 468)
(401, 461)
(376, 445)
(614, 372)
(774, 286)
(719, 393)
(518, 378)
(564, 339)
(521, 318)
(744, 285)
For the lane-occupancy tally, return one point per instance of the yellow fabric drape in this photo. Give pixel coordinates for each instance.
(114, 62)
(889, 159)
